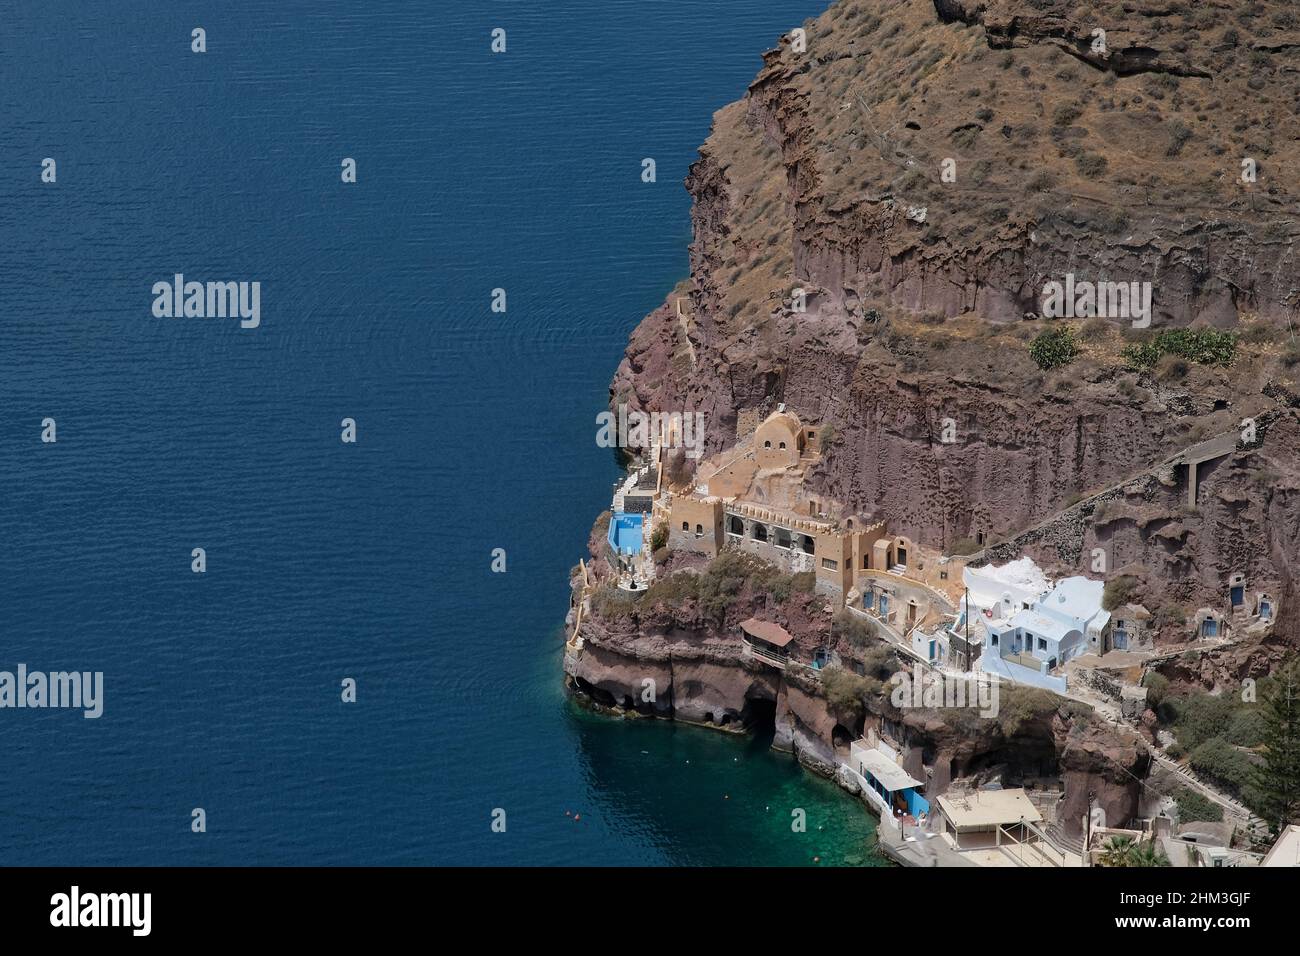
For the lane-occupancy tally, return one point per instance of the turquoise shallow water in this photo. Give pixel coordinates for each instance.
(476, 429)
(702, 797)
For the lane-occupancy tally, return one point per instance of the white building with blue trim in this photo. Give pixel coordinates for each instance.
(1064, 621)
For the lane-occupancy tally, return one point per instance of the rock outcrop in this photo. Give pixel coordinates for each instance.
(874, 227)
(672, 657)
(1118, 158)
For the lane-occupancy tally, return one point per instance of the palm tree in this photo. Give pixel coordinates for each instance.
(1115, 851)
(1146, 855)
(1123, 851)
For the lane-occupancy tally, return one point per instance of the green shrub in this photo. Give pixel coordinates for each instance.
(1157, 686)
(1198, 718)
(1246, 728)
(1194, 806)
(1053, 348)
(1118, 591)
(853, 629)
(846, 691)
(1205, 346)
(659, 537)
(1224, 764)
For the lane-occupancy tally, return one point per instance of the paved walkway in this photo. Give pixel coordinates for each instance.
(916, 849)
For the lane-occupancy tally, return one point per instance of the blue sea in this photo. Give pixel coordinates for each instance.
(475, 430)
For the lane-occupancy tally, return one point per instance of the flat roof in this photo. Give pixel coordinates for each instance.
(767, 631)
(1286, 851)
(989, 808)
(891, 776)
(1040, 625)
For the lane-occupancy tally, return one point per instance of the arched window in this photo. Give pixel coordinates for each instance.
(699, 531)
(767, 444)
(783, 444)
(686, 526)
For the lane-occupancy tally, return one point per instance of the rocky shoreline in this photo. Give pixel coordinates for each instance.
(676, 661)
(834, 271)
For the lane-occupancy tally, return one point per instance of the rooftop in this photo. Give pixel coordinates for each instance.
(1286, 851)
(767, 631)
(1021, 579)
(1042, 625)
(891, 776)
(989, 808)
(1075, 598)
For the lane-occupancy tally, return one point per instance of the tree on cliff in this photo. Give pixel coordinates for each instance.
(1278, 779)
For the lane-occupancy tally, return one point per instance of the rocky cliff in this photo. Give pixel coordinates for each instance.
(875, 225)
(920, 169)
(678, 655)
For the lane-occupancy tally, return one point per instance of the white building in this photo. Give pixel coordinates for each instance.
(997, 593)
(1286, 851)
(1059, 625)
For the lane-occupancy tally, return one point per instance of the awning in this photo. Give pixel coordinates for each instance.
(890, 775)
(766, 631)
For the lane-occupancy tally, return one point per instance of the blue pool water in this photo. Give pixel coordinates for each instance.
(476, 429)
(625, 533)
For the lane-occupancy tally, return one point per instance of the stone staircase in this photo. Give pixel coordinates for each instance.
(1232, 805)
(1057, 837)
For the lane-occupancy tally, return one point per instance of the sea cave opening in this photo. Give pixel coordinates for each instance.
(841, 739)
(759, 717)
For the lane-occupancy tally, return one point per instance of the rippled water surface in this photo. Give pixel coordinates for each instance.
(476, 429)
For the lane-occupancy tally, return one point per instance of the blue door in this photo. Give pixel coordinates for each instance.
(884, 605)
(1236, 597)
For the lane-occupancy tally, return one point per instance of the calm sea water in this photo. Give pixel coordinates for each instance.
(476, 430)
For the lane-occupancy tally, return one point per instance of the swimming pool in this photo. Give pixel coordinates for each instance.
(625, 533)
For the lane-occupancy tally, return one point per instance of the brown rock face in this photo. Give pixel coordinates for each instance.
(1100, 764)
(1120, 159)
(692, 663)
(1051, 141)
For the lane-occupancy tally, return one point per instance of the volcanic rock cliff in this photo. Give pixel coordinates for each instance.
(1114, 155)
(677, 655)
(875, 224)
